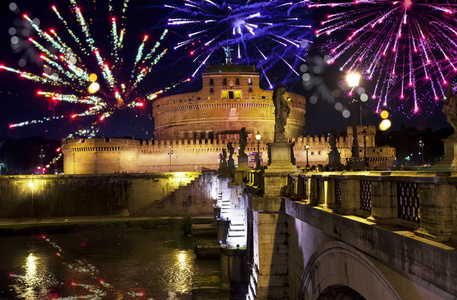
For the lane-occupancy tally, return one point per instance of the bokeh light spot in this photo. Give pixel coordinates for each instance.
(384, 114)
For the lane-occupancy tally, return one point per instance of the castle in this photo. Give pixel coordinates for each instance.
(192, 129)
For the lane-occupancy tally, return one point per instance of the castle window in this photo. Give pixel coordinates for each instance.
(211, 90)
(211, 81)
(237, 82)
(250, 90)
(263, 97)
(250, 81)
(318, 153)
(231, 95)
(198, 98)
(224, 81)
(312, 153)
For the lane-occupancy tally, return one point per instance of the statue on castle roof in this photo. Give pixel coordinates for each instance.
(282, 111)
(243, 141)
(450, 109)
(228, 55)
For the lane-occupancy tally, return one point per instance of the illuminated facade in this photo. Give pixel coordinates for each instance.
(230, 99)
(192, 129)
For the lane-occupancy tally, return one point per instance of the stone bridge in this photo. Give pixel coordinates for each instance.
(340, 235)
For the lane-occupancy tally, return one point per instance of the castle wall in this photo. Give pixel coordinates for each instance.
(101, 156)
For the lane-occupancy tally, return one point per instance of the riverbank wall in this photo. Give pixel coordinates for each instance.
(156, 194)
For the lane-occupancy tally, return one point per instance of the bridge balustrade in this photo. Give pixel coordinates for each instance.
(255, 182)
(425, 202)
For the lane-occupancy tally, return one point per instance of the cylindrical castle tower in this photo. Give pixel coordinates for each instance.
(230, 99)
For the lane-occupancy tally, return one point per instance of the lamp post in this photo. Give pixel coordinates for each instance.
(353, 81)
(170, 153)
(307, 162)
(364, 132)
(41, 159)
(258, 136)
(421, 144)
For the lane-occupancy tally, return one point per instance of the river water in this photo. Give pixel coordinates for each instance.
(107, 263)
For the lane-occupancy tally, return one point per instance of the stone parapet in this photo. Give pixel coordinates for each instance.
(422, 201)
(431, 266)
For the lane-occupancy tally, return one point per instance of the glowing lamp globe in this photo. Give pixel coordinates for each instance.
(353, 79)
(93, 87)
(385, 124)
(384, 114)
(93, 77)
(258, 136)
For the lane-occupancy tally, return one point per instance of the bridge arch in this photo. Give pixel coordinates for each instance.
(340, 271)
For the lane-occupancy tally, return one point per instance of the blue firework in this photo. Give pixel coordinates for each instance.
(265, 33)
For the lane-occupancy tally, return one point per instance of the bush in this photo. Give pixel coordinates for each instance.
(186, 225)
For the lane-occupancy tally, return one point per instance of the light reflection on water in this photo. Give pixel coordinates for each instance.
(159, 264)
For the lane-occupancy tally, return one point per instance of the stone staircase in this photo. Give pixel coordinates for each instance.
(179, 194)
(252, 287)
(236, 237)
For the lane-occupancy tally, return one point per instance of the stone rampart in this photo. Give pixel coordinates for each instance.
(114, 194)
(103, 156)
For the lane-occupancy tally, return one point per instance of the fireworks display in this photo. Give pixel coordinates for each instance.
(97, 81)
(258, 32)
(406, 48)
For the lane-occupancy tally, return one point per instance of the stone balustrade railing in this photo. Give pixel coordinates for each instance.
(425, 202)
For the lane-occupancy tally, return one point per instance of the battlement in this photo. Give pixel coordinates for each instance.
(230, 69)
(109, 155)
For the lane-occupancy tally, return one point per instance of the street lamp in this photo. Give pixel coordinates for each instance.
(170, 153)
(41, 159)
(307, 162)
(421, 144)
(353, 81)
(258, 136)
(364, 132)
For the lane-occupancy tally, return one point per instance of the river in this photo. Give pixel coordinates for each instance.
(106, 263)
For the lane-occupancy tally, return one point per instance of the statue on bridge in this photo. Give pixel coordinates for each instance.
(231, 162)
(450, 109)
(334, 157)
(223, 159)
(243, 141)
(224, 156)
(282, 111)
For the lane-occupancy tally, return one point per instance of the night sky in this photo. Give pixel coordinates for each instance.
(19, 101)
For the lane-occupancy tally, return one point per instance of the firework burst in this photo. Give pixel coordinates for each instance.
(87, 76)
(260, 32)
(407, 48)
